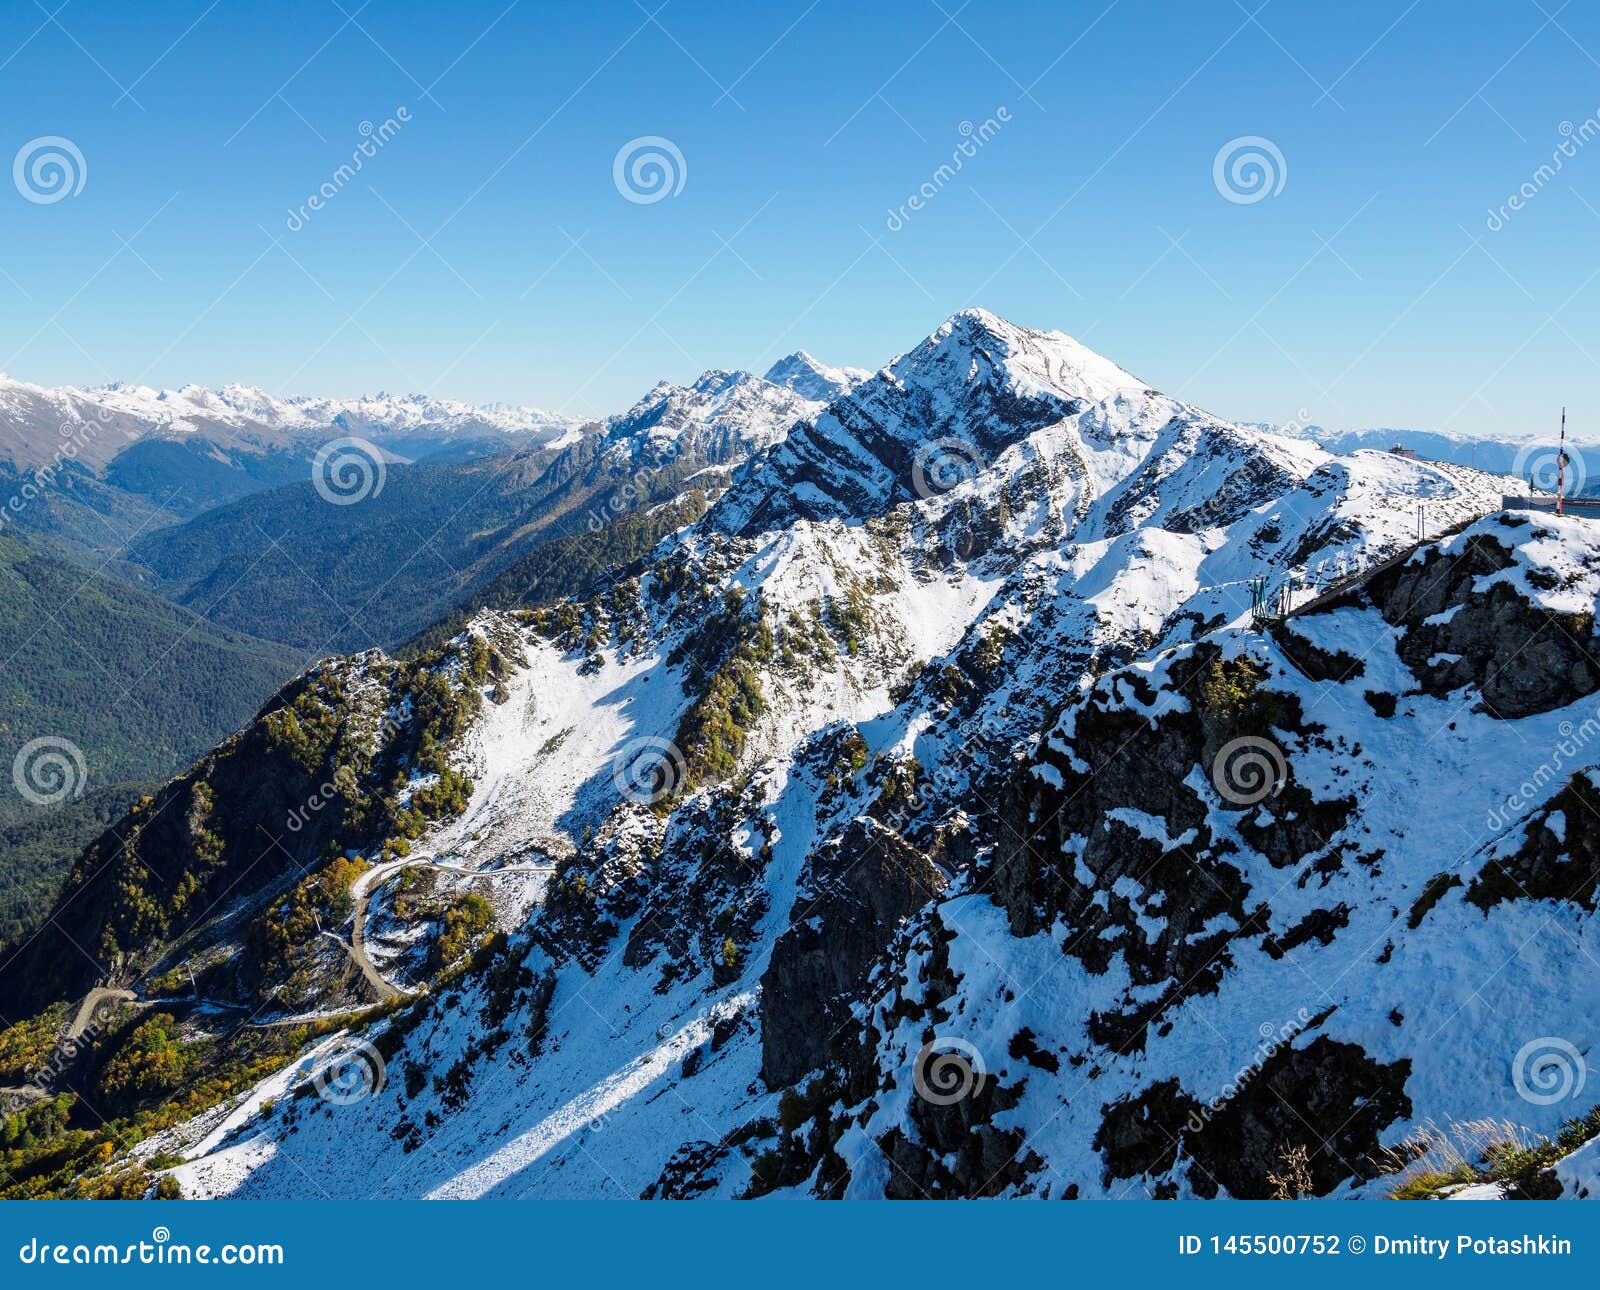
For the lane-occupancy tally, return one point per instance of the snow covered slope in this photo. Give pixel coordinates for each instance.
(815, 380)
(1524, 453)
(888, 849)
(722, 418)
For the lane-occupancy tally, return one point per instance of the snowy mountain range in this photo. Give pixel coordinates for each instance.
(1017, 782)
(1527, 456)
(237, 416)
(100, 465)
(353, 576)
(103, 420)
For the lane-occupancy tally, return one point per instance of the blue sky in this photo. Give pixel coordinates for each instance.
(486, 253)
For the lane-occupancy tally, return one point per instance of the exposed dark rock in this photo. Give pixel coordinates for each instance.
(1329, 1097)
(1025, 1047)
(1554, 862)
(1297, 825)
(1319, 925)
(962, 1156)
(858, 890)
(1523, 658)
(1066, 855)
(686, 1174)
(1142, 1135)
(1317, 664)
(1381, 702)
(1432, 894)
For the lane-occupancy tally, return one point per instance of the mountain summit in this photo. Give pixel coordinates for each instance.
(946, 408)
(812, 379)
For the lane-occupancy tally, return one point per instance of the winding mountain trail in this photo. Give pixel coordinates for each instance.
(362, 891)
(89, 1009)
(91, 1005)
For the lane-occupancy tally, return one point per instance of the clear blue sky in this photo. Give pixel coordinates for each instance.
(1357, 292)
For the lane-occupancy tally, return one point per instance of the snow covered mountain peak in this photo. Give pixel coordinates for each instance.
(720, 418)
(247, 414)
(1032, 362)
(858, 683)
(966, 394)
(812, 379)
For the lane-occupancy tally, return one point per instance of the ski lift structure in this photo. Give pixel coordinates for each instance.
(1269, 607)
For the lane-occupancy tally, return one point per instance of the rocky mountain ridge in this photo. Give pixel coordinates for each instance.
(880, 833)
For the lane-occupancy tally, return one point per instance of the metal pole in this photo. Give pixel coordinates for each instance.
(1561, 465)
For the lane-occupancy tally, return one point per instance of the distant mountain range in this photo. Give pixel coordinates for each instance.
(499, 506)
(342, 578)
(1524, 456)
(121, 460)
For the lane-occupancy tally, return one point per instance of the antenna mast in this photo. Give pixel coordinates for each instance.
(1561, 465)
